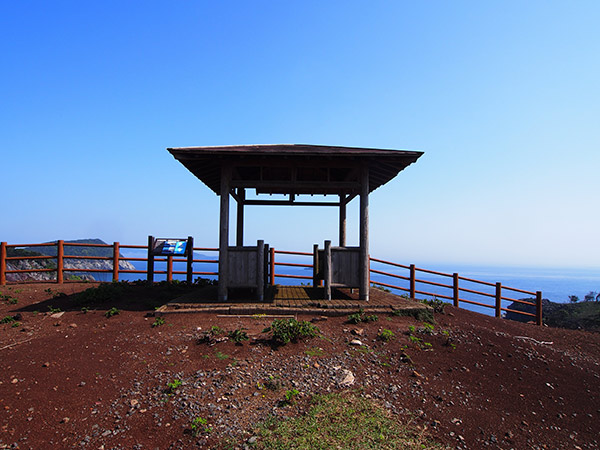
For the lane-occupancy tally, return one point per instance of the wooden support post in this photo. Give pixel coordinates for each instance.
(327, 270)
(266, 277)
(224, 232)
(342, 220)
(116, 255)
(538, 308)
(498, 299)
(260, 266)
(241, 196)
(413, 281)
(315, 265)
(3, 253)
(150, 262)
(60, 261)
(455, 290)
(364, 234)
(169, 268)
(190, 260)
(272, 266)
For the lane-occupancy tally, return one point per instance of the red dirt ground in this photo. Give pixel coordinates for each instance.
(87, 381)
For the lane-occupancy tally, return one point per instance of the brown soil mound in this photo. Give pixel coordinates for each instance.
(82, 380)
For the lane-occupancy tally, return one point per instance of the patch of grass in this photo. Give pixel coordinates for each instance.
(112, 312)
(158, 322)
(346, 422)
(419, 314)
(291, 330)
(359, 317)
(7, 319)
(314, 351)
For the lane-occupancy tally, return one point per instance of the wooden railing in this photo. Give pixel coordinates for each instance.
(454, 287)
(116, 258)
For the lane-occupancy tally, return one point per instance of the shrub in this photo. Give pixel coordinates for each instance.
(291, 330)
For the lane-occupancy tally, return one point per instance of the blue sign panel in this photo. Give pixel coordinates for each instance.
(166, 247)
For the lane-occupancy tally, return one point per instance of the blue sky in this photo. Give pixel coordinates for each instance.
(503, 98)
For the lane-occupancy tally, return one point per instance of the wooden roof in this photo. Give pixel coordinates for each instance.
(294, 168)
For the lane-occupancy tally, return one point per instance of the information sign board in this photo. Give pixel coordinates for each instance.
(169, 247)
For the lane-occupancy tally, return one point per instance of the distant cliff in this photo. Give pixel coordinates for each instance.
(69, 263)
(575, 316)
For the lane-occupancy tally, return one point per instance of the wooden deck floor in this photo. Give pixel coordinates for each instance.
(291, 300)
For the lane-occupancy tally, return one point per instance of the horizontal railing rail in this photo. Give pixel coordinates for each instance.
(456, 291)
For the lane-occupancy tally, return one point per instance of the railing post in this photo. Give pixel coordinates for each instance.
(315, 265)
(169, 268)
(3, 263)
(150, 262)
(115, 261)
(538, 307)
(455, 290)
(498, 299)
(413, 281)
(327, 270)
(190, 260)
(60, 255)
(272, 266)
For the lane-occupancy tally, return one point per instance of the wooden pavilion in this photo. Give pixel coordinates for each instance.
(293, 170)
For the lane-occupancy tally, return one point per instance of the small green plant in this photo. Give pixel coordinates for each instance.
(437, 304)
(173, 385)
(359, 317)
(216, 330)
(7, 319)
(412, 329)
(9, 298)
(16, 324)
(386, 335)
(84, 309)
(54, 294)
(158, 322)
(291, 330)
(381, 288)
(238, 336)
(427, 328)
(355, 318)
(221, 355)
(415, 339)
(289, 397)
(200, 425)
(112, 312)
(54, 310)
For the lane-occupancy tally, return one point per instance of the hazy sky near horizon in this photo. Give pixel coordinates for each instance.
(502, 96)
